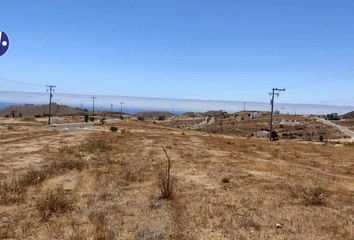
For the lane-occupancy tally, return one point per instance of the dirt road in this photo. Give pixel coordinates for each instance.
(344, 130)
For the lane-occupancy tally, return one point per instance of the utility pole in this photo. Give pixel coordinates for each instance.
(275, 91)
(93, 108)
(51, 89)
(121, 108)
(221, 117)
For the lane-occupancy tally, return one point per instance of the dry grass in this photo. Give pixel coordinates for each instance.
(228, 188)
(54, 202)
(11, 191)
(93, 145)
(314, 195)
(101, 230)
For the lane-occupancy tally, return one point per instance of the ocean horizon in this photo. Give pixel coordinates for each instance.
(132, 105)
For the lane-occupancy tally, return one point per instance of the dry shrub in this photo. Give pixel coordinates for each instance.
(247, 223)
(11, 191)
(14, 190)
(67, 158)
(78, 233)
(33, 176)
(146, 234)
(101, 231)
(314, 195)
(66, 164)
(29, 119)
(7, 232)
(54, 201)
(165, 180)
(113, 129)
(10, 128)
(225, 180)
(96, 145)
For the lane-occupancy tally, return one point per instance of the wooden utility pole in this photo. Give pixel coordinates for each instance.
(93, 108)
(51, 90)
(275, 91)
(221, 117)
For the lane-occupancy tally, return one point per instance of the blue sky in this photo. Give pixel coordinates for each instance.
(188, 49)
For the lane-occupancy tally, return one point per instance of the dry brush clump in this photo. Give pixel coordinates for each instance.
(53, 202)
(94, 145)
(14, 190)
(311, 195)
(66, 164)
(314, 195)
(7, 231)
(165, 179)
(11, 191)
(101, 229)
(32, 177)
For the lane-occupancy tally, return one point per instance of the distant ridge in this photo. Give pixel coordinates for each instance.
(348, 115)
(31, 110)
(154, 115)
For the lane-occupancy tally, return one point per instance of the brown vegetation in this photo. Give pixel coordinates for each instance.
(103, 185)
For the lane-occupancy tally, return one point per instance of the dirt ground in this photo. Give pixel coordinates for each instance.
(299, 127)
(105, 185)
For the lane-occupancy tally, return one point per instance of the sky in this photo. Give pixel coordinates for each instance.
(184, 49)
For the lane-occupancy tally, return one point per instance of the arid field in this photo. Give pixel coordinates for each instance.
(101, 184)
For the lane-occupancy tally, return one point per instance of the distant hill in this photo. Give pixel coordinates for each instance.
(154, 115)
(214, 113)
(192, 114)
(348, 115)
(31, 110)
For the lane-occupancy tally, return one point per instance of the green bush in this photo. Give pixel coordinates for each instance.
(225, 180)
(114, 129)
(274, 136)
(162, 118)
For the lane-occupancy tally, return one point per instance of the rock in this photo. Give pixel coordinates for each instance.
(278, 225)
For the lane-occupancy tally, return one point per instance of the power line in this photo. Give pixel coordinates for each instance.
(21, 83)
(332, 78)
(51, 90)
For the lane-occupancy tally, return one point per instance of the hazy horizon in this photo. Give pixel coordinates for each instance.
(133, 104)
